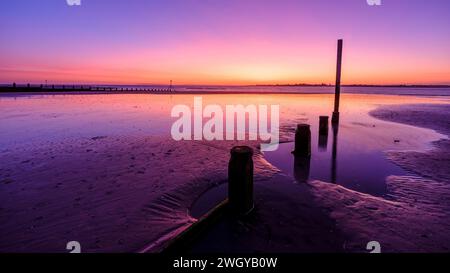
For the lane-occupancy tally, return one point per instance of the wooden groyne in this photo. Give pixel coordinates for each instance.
(80, 88)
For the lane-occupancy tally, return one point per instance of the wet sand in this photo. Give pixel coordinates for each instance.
(434, 164)
(112, 194)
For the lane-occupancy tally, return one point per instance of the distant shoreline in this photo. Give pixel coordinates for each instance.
(359, 85)
(208, 87)
(77, 89)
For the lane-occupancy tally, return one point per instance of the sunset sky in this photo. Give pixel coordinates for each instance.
(224, 42)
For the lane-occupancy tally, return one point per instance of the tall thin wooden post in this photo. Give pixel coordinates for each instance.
(337, 93)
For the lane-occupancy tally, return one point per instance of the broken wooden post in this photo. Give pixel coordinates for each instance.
(14, 85)
(337, 93)
(323, 125)
(28, 85)
(240, 180)
(302, 140)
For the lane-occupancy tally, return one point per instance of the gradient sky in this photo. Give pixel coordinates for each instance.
(224, 41)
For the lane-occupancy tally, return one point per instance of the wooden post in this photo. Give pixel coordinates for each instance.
(302, 140)
(14, 85)
(323, 125)
(337, 93)
(240, 180)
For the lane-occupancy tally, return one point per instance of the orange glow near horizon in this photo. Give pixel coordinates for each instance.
(273, 65)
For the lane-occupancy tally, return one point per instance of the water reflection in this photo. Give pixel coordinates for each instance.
(301, 168)
(323, 143)
(359, 168)
(323, 133)
(335, 127)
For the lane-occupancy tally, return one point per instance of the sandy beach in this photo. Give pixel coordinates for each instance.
(122, 192)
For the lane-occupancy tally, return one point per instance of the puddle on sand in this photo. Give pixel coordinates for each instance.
(344, 163)
(209, 200)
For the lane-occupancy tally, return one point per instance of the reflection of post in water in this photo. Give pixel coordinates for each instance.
(301, 168)
(302, 152)
(323, 142)
(323, 133)
(334, 152)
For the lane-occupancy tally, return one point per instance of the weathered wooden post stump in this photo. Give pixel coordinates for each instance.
(302, 140)
(240, 180)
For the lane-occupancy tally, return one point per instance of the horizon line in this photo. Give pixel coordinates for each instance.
(235, 85)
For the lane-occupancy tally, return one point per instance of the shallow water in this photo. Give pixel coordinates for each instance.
(359, 162)
(360, 170)
(34, 118)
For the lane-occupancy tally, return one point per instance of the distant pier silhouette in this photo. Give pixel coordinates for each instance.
(14, 87)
